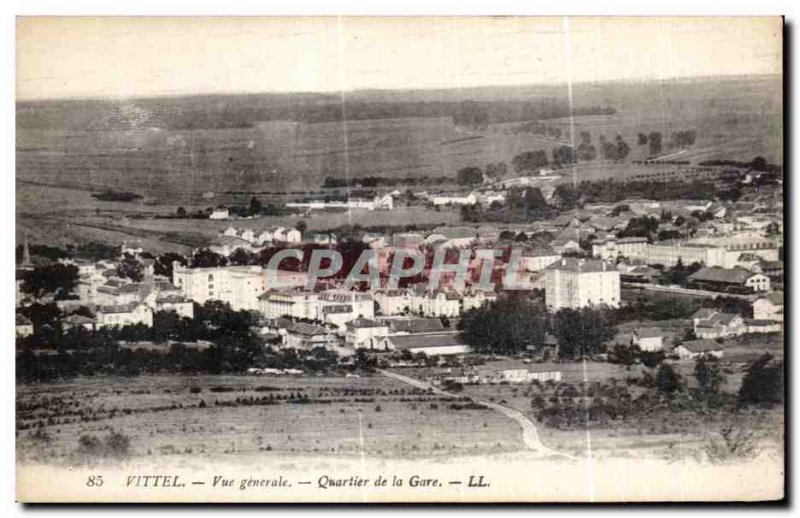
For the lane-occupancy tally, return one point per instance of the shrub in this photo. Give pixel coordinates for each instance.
(731, 446)
(89, 445)
(117, 445)
(667, 380)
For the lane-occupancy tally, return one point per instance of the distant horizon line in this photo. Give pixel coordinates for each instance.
(174, 95)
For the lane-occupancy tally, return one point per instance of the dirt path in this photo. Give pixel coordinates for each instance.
(530, 435)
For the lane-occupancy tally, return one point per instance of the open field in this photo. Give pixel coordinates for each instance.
(657, 436)
(733, 118)
(59, 215)
(235, 415)
(62, 154)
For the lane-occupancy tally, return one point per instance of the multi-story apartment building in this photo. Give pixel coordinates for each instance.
(362, 304)
(611, 248)
(239, 286)
(365, 333)
(394, 302)
(437, 303)
(577, 283)
(722, 251)
(123, 315)
(474, 299)
(668, 253)
(539, 259)
(292, 303)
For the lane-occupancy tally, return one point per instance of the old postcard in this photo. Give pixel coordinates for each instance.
(399, 259)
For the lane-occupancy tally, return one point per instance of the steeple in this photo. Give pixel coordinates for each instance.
(26, 255)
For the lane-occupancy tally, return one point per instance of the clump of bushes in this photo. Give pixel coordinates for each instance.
(115, 445)
(221, 389)
(732, 445)
(467, 406)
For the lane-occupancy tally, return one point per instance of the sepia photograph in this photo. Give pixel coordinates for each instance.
(408, 259)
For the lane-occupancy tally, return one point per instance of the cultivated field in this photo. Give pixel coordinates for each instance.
(217, 416)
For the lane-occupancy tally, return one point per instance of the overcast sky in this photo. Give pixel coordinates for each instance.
(123, 57)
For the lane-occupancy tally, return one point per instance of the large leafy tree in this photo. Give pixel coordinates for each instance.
(644, 226)
(581, 332)
(469, 176)
(530, 161)
(527, 199)
(504, 327)
(41, 314)
(130, 268)
(54, 279)
(163, 263)
(205, 258)
(763, 383)
(241, 257)
(679, 273)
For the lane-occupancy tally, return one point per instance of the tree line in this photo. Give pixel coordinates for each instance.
(234, 346)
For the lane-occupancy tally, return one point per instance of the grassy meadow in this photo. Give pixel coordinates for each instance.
(219, 416)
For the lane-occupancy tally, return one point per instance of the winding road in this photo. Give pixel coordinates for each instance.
(530, 435)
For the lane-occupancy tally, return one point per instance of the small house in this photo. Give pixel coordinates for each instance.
(693, 349)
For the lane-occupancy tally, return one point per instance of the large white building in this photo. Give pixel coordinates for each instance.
(384, 202)
(723, 252)
(298, 303)
(474, 299)
(577, 283)
(454, 199)
(239, 286)
(361, 303)
(220, 213)
(258, 238)
(128, 314)
(394, 302)
(226, 245)
(611, 248)
(176, 303)
(538, 260)
(365, 333)
(439, 303)
(668, 253)
(336, 307)
(431, 344)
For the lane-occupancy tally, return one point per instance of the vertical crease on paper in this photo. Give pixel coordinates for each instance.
(568, 60)
(342, 88)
